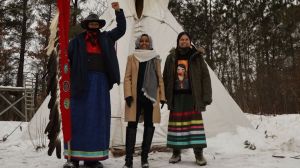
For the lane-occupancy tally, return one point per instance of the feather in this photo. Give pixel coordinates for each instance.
(54, 126)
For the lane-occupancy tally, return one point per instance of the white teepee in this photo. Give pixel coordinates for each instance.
(223, 115)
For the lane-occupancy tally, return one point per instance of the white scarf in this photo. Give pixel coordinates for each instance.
(145, 55)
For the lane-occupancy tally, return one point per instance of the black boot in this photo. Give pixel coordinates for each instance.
(200, 160)
(130, 143)
(71, 164)
(93, 164)
(146, 145)
(176, 157)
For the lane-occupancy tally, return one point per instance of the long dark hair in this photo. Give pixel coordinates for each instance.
(180, 35)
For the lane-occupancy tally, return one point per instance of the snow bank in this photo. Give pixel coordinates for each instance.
(275, 136)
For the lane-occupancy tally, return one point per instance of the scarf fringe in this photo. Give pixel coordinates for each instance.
(153, 100)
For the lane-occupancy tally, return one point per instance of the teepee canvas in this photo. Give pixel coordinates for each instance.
(223, 115)
(156, 20)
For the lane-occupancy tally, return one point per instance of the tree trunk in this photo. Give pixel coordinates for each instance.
(240, 72)
(212, 64)
(20, 75)
(2, 10)
(298, 79)
(36, 89)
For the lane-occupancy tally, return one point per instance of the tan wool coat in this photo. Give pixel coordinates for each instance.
(130, 87)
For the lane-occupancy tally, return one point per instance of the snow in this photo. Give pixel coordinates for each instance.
(274, 136)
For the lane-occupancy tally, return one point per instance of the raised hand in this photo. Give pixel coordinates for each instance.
(115, 6)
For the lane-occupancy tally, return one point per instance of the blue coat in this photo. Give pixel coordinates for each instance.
(78, 55)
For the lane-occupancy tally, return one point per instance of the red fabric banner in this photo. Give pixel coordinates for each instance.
(64, 82)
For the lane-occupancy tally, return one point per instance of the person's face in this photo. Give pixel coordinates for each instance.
(144, 43)
(180, 71)
(184, 41)
(93, 25)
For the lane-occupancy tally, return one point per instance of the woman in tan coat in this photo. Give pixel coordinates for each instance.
(143, 91)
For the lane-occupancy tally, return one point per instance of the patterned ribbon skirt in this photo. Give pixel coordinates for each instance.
(186, 129)
(90, 116)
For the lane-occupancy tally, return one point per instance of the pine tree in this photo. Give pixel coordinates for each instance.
(251, 46)
(45, 12)
(18, 21)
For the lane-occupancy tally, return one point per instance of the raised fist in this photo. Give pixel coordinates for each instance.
(115, 5)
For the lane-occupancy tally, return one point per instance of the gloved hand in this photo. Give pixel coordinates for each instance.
(162, 102)
(129, 100)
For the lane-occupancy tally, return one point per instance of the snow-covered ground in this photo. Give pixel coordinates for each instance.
(275, 136)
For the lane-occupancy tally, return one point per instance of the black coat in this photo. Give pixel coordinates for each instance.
(78, 55)
(199, 79)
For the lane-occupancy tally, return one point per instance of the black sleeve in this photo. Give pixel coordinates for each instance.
(120, 30)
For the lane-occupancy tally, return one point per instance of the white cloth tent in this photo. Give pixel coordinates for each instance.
(223, 115)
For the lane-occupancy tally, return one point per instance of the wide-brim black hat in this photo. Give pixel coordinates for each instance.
(92, 18)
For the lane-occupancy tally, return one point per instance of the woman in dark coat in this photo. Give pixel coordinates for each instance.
(143, 91)
(94, 71)
(188, 91)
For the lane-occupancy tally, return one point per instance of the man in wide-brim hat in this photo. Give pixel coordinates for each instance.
(94, 71)
(92, 18)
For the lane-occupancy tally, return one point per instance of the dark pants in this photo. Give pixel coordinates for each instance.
(145, 105)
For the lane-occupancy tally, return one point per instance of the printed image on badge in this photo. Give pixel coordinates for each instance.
(67, 103)
(66, 86)
(66, 68)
